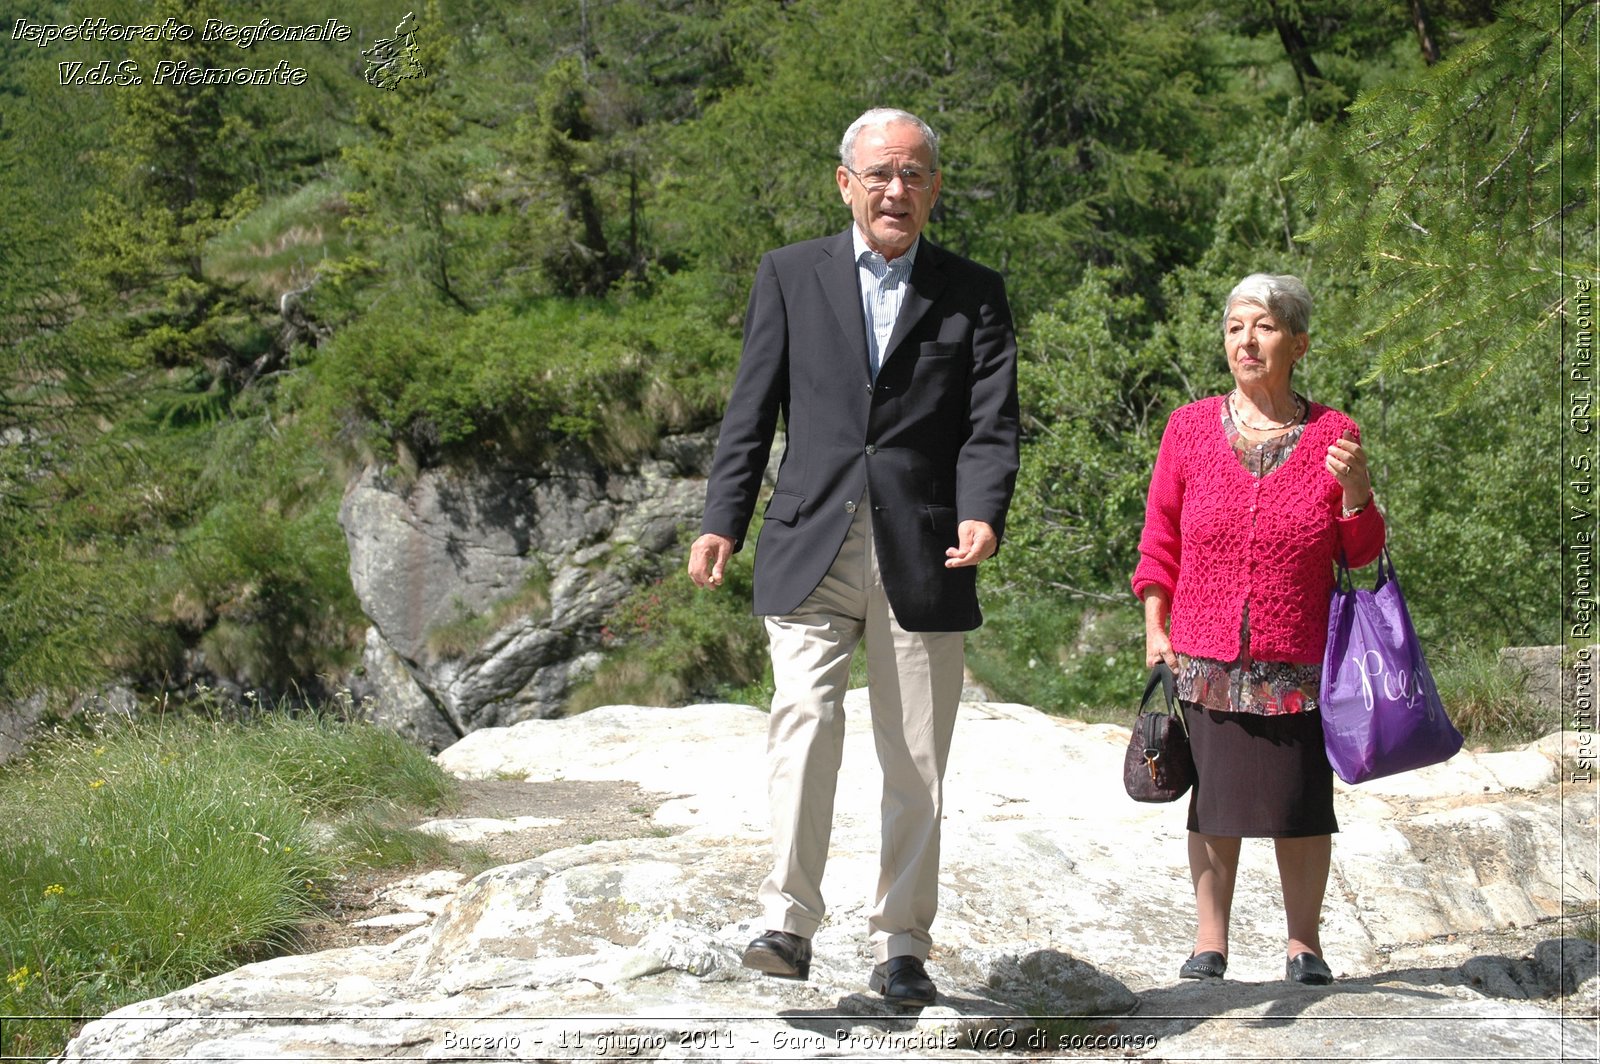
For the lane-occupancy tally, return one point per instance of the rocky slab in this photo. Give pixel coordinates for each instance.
(1065, 912)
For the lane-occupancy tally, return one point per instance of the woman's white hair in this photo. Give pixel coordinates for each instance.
(886, 116)
(1285, 297)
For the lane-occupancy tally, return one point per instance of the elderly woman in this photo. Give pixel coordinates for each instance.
(1254, 496)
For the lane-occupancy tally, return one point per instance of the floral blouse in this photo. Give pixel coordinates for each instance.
(1267, 688)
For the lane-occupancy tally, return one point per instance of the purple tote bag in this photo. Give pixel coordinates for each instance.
(1380, 709)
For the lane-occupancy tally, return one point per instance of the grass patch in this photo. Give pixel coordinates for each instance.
(377, 838)
(279, 245)
(1487, 701)
(148, 854)
(1058, 1034)
(468, 631)
(523, 382)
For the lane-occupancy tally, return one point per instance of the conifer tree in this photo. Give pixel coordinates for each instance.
(1453, 189)
(412, 168)
(171, 186)
(563, 219)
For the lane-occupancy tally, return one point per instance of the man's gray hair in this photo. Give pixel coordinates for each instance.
(886, 116)
(1285, 297)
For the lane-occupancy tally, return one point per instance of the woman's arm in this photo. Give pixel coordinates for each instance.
(1360, 524)
(1361, 536)
(1160, 543)
(1157, 647)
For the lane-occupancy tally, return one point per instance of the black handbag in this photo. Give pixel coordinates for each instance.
(1158, 766)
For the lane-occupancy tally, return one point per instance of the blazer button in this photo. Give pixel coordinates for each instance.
(850, 507)
(872, 448)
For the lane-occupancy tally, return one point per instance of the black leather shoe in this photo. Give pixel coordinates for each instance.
(1308, 968)
(1207, 965)
(903, 981)
(779, 953)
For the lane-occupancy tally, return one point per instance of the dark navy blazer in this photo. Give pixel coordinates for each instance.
(935, 437)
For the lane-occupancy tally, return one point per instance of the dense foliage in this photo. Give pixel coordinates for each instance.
(220, 298)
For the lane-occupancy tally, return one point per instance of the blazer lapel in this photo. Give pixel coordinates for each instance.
(927, 281)
(837, 274)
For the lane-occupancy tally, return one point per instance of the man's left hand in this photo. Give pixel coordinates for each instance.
(977, 542)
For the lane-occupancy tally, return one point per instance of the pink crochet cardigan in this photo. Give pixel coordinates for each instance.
(1216, 537)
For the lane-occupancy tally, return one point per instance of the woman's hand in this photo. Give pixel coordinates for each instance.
(1157, 647)
(1348, 464)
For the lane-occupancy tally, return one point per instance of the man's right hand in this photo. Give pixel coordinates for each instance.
(707, 557)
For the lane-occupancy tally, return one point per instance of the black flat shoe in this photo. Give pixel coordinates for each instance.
(903, 981)
(781, 954)
(1207, 965)
(1308, 968)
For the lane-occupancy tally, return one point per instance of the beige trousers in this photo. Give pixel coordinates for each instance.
(914, 682)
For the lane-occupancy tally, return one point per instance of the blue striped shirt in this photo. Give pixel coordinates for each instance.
(883, 292)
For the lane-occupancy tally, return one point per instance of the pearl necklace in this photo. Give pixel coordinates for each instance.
(1233, 412)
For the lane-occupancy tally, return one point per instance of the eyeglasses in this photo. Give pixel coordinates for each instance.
(878, 178)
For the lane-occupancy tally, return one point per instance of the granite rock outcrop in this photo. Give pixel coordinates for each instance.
(487, 588)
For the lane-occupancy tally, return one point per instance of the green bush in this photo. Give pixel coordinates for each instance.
(434, 381)
(221, 533)
(673, 643)
(148, 854)
(1061, 656)
(261, 572)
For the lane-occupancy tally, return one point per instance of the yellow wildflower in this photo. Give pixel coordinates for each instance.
(54, 890)
(18, 979)
(96, 785)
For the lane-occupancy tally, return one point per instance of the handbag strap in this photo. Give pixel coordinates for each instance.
(1161, 676)
(1345, 583)
(1385, 569)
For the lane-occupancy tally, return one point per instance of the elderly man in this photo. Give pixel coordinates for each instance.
(893, 365)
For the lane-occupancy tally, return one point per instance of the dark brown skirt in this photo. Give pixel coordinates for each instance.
(1259, 777)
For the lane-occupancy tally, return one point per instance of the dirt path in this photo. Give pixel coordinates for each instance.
(582, 811)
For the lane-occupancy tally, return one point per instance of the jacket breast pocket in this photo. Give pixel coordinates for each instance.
(941, 349)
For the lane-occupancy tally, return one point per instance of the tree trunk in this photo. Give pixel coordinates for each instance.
(1424, 26)
(1299, 52)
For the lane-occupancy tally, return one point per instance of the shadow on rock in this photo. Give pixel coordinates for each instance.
(1557, 967)
(1011, 993)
